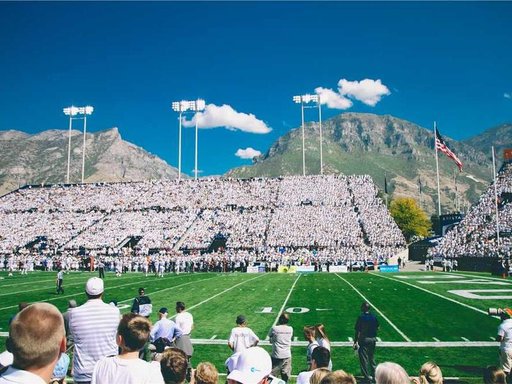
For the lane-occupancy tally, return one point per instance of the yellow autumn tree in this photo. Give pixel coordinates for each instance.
(409, 217)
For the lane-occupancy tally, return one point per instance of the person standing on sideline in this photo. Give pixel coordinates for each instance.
(242, 337)
(280, 336)
(310, 337)
(164, 331)
(185, 322)
(94, 328)
(142, 304)
(505, 338)
(60, 280)
(101, 269)
(365, 339)
(323, 340)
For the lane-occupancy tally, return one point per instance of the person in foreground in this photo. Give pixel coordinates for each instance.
(174, 365)
(320, 358)
(430, 373)
(391, 373)
(127, 368)
(253, 366)
(36, 340)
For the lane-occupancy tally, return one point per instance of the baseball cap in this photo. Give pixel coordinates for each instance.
(240, 319)
(508, 312)
(252, 366)
(163, 310)
(94, 286)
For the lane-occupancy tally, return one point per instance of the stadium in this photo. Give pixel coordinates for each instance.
(261, 247)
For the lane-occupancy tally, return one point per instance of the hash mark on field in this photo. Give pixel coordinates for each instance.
(213, 337)
(436, 339)
(296, 338)
(351, 339)
(379, 339)
(285, 301)
(492, 338)
(376, 309)
(463, 338)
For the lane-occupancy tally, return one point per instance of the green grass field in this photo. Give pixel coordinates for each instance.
(421, 317)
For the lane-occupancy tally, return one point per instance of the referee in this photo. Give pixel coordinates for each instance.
(364, 340)
(60, 280)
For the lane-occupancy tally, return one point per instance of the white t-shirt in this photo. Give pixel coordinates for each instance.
(242, 338)
(112, 370)
(303, 377)
(18, 376)
(185, 321)
(505, 331)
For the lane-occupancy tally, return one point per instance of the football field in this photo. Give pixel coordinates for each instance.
(423, 316)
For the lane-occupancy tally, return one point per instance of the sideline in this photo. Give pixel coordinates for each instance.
(377, 310)
(432, 293)
(284, 304)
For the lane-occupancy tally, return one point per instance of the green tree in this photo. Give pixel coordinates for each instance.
(409, 217)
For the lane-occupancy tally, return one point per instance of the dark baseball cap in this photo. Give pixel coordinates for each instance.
(240, 319)
(163, 310)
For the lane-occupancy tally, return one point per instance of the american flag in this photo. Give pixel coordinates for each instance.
(441, 146)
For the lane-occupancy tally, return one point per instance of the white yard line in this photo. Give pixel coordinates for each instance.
(221, 293)
(376, 309)
(106, 289)
(433, 293)
(391, 344)
(285, 302)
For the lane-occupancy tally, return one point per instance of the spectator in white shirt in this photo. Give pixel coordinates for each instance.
(242, 337)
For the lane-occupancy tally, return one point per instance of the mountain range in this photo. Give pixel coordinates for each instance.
(393, 151)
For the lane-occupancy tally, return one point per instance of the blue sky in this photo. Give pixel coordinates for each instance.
(449, 62)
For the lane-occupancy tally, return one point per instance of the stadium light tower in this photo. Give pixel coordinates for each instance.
(181, 107)
(302, 100)
(70, 111)
(87, 110)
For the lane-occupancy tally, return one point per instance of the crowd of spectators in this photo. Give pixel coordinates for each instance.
(476, 234)
(171, 222)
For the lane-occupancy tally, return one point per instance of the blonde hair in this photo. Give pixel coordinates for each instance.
(339, 377)
(430, 373)
(321, 331)
(35, 336)
(391, 373)
(318, 375)
(309, 332)
(206, 373)
(494, 375)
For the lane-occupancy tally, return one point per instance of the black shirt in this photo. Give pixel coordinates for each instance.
(366, 326)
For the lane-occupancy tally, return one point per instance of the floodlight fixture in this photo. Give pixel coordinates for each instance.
(70, 111)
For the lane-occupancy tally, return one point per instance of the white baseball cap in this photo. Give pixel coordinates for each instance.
(252, 366)
(94, 286)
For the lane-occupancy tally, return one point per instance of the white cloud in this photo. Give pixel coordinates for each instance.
(367, 91)
(507, 96)
(247, 153)
(332, 99)
(225, 116)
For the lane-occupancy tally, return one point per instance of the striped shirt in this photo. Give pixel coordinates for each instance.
(94, 327)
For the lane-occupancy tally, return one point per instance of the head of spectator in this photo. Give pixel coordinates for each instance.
(338, 377)
(391, 373)
(241, 321)
(94, 288)
(494, 375)
(284, 318)
(36, 339)
(309, 333)
(133, 332)
(365, 307)
(162, 313)
(142, 291)
(206, 373)
(320, 358)
(252, 367)
(430, 373)
(320, 332)
(318, 375)
(180, 306)
(173, 365)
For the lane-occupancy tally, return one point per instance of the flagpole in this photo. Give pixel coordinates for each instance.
(421, 193)
(495, 196)
(437, 171)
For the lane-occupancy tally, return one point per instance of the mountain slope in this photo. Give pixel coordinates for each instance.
(500, 137)
(381, 146)
(42, 158)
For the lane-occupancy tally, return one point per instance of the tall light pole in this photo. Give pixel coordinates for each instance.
(304, 99)
(70, 111)
(88, 110)
(181, 107)
(319, 104)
